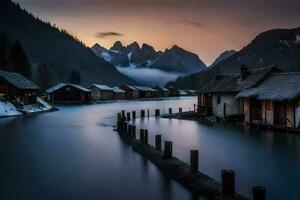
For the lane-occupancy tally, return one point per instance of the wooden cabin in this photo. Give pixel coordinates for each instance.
(130, 92)
(218, 97)
(146, 92)
(101, 92)
(15, 87)
(274, 102)
(162, 91)
(119, 94)
(68, 93)
(174, 92)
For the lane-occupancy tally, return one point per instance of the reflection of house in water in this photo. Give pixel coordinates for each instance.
(15, 87)
(275, 101)
(218, 97)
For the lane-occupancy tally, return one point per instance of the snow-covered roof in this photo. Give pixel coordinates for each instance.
(182, 92)
(118, 90)
(61, 85)
(163, 89)
(141, 88)
(101, 87)
(18, 81)
(131, 87)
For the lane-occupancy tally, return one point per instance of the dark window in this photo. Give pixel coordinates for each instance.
(218, 99)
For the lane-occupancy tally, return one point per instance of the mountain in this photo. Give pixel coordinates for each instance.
(179, 60)
(279, 47)
(57, 49)
(174, 60)
(223, 56)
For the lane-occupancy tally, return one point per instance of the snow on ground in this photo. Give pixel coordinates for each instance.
(7, 109)
(41, 106)
(106, 56)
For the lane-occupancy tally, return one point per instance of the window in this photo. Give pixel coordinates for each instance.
(269, 105)
(218, 99)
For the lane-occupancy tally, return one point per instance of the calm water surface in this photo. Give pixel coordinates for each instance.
(74, 154)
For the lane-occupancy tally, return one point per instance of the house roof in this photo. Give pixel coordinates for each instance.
(118, 90)
(102, 87)
(162, 88)
(18, 81)
(233, 83)
(277, 87)
(141, 88)
(130, 87)
(61, 85)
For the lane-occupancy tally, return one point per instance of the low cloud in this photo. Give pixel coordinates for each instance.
(150, 77)
(194, 24)
(108, 34)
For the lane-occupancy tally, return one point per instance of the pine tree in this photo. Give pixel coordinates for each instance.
(3, 50)
(75, 77)
(18, 61)
(43, 75)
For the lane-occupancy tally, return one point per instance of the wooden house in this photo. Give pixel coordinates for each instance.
(101, 92)
(16, 87)
(130, 92)
(162, 91)
(68, 93)
(218, 97)
(145, 92)
(174, 92)
(119, 94)
(274, 102)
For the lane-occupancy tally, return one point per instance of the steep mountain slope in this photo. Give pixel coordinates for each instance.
(223, 56)
(175, 60)
(279, 47)
(56, 48)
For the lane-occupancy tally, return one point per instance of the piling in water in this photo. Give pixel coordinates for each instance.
(157, 113)
(142, 113)
(128, 116)
(129, 130)
(145, 136)
(148, 113)
(194, 159)
(228, 184)
(133, 132)
(170, 111)
(180, 110)
(259, 193)
(142, 132)
(168, 150)
(133, 115)
(158, 142)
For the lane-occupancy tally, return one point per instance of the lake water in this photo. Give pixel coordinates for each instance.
(75, 154)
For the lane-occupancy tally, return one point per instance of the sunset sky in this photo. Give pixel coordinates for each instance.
(205, 27)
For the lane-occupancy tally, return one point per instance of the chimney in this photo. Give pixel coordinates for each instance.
(243, 72)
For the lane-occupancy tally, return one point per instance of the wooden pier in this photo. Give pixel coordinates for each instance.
(187, 175)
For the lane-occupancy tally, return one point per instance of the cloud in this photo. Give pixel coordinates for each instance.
(194, 24)
(108, 34)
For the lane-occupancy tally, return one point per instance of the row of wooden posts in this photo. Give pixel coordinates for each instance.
(227, 176)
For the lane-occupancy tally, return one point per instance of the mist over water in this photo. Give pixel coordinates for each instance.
(150, 77)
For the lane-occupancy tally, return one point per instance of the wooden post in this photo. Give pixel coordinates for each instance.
(180, 110)
(129, 130)
(119, 117)
(259, 193)
(168, 149)
(158, 142)
(133, 115)
(142, 113)
(157, 113)
(170, 111)
(123, 114)
(194, 158)
(148, 113)
(128, 116)
(142, 136)
(145, 136)
(124, 127)
(133, 132)
(228, 184)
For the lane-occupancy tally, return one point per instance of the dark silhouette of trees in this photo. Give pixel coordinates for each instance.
(18, 61)
(43, 75)
(75, 77)
(3, 50)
